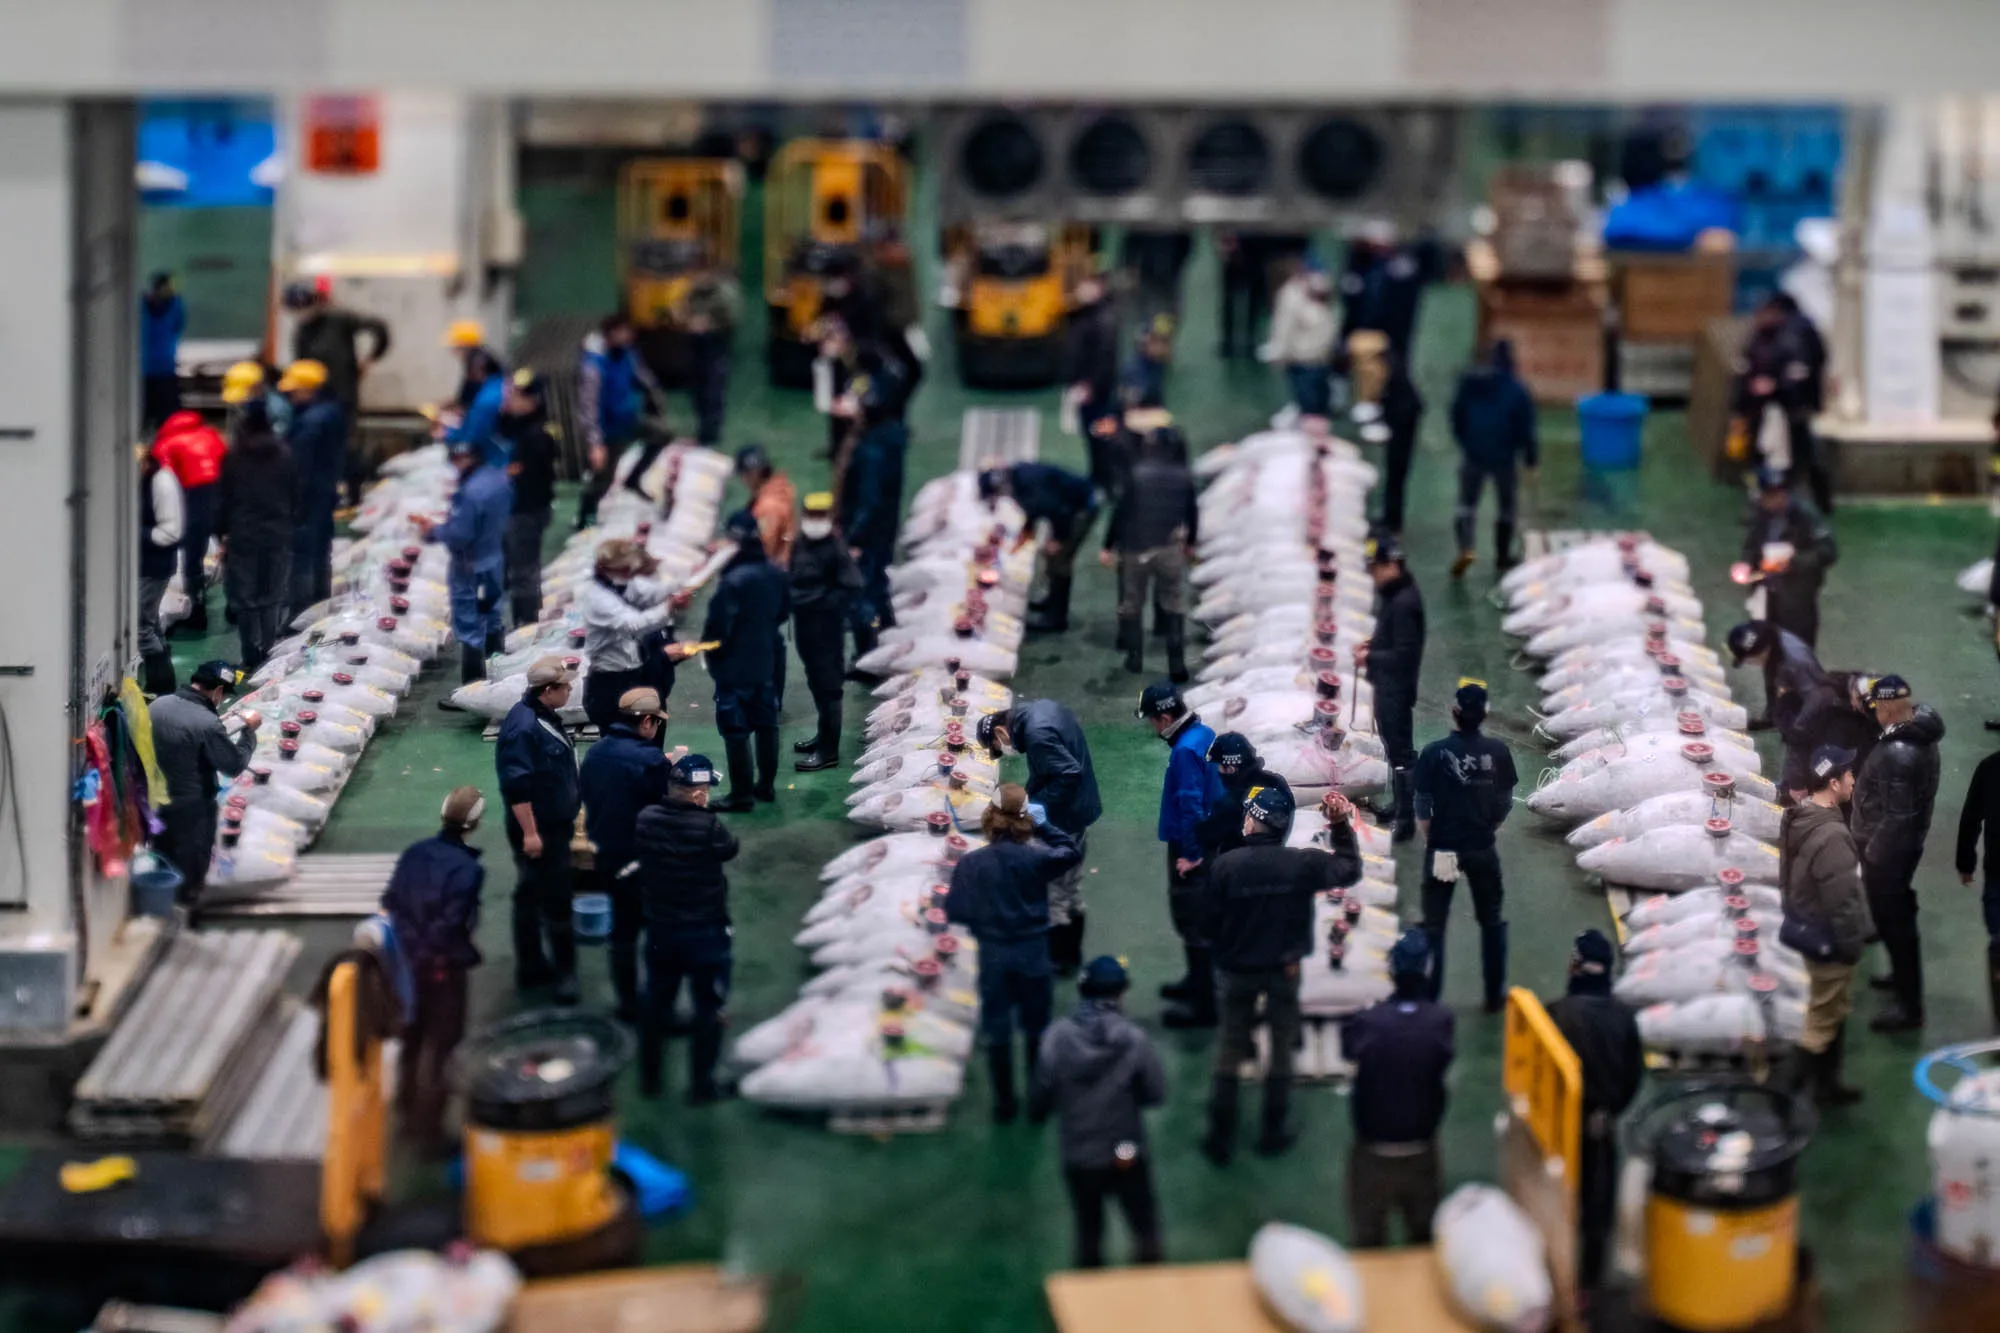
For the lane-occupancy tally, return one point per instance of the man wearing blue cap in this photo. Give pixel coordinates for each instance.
(1464, 790)
(1894, 794)
(1787, 548)
(752, 602)
(1187, 795)
(1258, 920)
(681, 848)
(1604, 1033)
(1099, 1075)
(1401, 1049)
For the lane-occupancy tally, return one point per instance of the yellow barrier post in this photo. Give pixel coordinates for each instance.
(1541, 1136)
(353, 1172)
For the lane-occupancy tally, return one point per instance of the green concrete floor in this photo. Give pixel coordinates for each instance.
(958, 1229)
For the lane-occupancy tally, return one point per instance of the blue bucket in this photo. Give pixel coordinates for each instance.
(1612, 424)
(156, 884)
(592, 913)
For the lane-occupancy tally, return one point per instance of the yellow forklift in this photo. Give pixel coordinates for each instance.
(1011, 286)
(831, 206)
(677, 218)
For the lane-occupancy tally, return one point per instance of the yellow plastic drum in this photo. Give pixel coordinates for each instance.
(1722, 1215)
(539, 1129)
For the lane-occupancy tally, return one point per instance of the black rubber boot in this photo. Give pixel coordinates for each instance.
(471, 664)
(1177, 670)
(1180, 990)
(1000, 1068)
(1219, 1144)
(704, 1048)
(1828, 1090)
(767, 764)
(1131, 637)
(742, 779)
(823, 750)
(1066, 945)
(196, 624)
(562, 956)
(1278, 1133)
(1405, 827)
(1052, 615)
(1197, 1007)
(1493, 965)
(1503, 547)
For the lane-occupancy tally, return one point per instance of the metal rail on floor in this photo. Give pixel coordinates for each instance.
(324, 884)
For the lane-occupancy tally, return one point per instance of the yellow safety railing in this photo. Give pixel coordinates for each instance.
(352, 1173)
(1544, 1082)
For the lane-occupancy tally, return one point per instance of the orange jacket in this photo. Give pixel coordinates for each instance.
(775, 507)
(189, 447)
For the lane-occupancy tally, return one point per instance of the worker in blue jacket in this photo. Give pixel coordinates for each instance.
(482, 392)
(1067, 503)
(614, 391)
(752, 602)
(433, 902)
(1187, 794)
(318, 441)
(475, 532)
(1000, 892)
(536, 764)
(162, 321)
(1401, 1049)
(871, 499)
(1493, 419)
(1063, 782)
(622, 774)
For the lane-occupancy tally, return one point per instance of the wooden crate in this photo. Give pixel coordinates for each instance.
(1672, 297)
(1557, 331)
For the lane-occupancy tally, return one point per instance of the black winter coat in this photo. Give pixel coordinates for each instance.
(257, 503)
(752, 601)
(1896, 793)
(1155, 508)
(1222, 830)
(681, 850)
(1060, 775)
(1396, 652)
(1090, 352)
(1793, 595)
(1259, 904)
(1604, 1033)
(533, 466)
(824, 576)
(1000, 892)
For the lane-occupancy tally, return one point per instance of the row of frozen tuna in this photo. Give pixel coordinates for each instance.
(890, 1018)
(1665, 787)
(672, 512)
(1285, 597)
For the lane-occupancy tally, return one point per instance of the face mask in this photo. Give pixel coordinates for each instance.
(816, 528)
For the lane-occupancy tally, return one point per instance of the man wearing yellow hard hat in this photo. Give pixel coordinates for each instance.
(318, 438)
(481, 390)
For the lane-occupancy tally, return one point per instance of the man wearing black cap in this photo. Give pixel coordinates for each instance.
(192, 748)
(1894, 795)
(1154, 525)
(1604, 1033)
(1787, 548)
(680, 848)
(1826, 917)
(1238, 770)
(1792, 673)
(1258, 918)
(622, 774)
(1187, 795)
(1401, 1049)
(1061, 781)
(1065, 502)
(531, 466)
(536, 765)
(1099, 1075)
(752, 601)
(825, 582)
(1393, 660)
(1464, 790)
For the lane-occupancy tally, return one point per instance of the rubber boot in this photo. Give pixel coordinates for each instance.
(741, 777)
(1182, 989)
(1197, 1007)
(1131, 637)
(1493, 965)
(1052, 615)
(1000, 1068)
(1066, 945)
(766, 739)
(196, 624)
(1159, 622)
(471, 664)
(562, 956)
(1462, 529)
(822, 751)
(704, 1048)
(1435, 935)
(1828, 1090)
(1406, 807)
(1503, 547)
(1278, 1132)
(1177, 670)
(1219, 1144)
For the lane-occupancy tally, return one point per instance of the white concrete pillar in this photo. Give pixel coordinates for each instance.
(68, 498)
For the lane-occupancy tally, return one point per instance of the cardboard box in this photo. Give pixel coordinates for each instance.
(1672, 297)
(1557, 332)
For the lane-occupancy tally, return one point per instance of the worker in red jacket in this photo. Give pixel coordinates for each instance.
(192, 450)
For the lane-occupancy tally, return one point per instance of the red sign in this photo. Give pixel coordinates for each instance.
(343, 135)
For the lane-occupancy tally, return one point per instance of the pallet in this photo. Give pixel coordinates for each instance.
(999, 435)
(325, 884)
(583, 732)
(887, 1122)
(284, 1116)
(1319, 1058)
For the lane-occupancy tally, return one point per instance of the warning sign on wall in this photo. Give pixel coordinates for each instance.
(343, 135)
